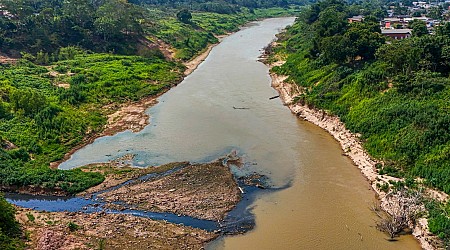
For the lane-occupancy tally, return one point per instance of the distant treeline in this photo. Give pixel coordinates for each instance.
(221, 6)
(46, 25)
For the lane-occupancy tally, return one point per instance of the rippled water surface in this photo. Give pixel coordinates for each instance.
(326, 206)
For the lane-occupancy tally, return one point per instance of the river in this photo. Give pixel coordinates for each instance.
(224, 106)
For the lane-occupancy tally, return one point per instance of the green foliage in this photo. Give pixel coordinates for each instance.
(42, 27)
(30, 217)
(184, 16)
(439, 221)
(419, 27)
(73, 226)
(222, 6)
(45, 121)
(9, 227)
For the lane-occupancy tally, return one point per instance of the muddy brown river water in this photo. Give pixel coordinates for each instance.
(224, 106)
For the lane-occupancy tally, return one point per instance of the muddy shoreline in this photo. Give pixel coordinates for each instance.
(352, 147)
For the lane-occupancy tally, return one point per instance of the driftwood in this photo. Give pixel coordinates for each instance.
(239, 108)
(273, 97)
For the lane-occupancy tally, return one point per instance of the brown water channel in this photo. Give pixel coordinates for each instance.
(326, 206)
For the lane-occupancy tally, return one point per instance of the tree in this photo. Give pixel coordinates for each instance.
(435, 12)
(403, 208)
(184, 16)
(117, 18)
(419, 28)
(8, 224)
(29, 100)
(443, 30)
(331, 22)
(363, 40)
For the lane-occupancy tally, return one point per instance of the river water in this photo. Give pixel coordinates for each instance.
(224, 107)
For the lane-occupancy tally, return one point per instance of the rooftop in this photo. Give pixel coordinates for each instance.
(396, 31)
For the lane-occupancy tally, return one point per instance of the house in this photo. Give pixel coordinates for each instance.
(355, 19)
(397, 33)
(392, 22)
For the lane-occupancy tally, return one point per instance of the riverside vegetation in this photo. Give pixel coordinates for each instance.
(394, 93)
(66, 65)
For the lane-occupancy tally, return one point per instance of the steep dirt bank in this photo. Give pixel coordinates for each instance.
(64, 231)
(353, 148)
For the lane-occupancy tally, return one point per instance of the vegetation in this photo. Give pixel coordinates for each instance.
(43, 25)
(222, 6)
(47, 112)
(73, 226)
(396, 94)
(9, 227)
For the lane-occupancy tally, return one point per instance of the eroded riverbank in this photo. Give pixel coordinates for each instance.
(353, 148)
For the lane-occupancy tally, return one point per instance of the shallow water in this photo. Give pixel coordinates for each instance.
(326, 206)
(77, 204)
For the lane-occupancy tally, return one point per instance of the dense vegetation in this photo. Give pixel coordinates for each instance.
(395, 94)
(43, 25)
(9, 227)
(222, 6)
(48, 110)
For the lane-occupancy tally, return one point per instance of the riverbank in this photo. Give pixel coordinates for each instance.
(353, 148)
(131, 115)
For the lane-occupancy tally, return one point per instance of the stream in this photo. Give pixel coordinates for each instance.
(223, 107)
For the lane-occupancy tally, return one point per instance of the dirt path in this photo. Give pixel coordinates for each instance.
(7, 60)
